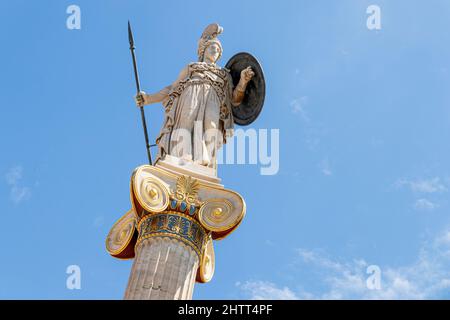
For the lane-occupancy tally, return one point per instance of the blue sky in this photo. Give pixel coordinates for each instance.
(364, 123)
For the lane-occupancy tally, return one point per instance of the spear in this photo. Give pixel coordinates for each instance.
(138, 88)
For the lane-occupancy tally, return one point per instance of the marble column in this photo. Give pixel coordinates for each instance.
(164, 269)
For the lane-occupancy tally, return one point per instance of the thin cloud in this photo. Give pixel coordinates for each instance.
(425, 205)
(264, 290)
(420, 187)
(14, 175)
(325, 167)
(18, 193)
(298, 107)
(426, 278)
(270, 243)
(313, 130)
(444, 239)
(433, 185)
(98, 222)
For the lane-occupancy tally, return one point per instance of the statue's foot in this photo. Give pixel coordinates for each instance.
(203, 162)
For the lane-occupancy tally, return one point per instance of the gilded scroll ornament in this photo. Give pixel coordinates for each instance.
(218, 215)
(151, 193)
(207, 263)
(121, 235)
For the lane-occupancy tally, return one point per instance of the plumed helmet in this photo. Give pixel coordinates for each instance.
(209, 36)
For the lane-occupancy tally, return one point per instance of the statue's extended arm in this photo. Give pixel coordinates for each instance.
(143, 99)
(157, 96)
(239, 90)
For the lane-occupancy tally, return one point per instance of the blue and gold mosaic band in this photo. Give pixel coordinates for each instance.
(175, 225)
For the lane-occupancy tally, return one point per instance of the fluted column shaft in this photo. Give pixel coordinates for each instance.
(164, 269)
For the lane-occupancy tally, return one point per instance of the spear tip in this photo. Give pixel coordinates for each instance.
(130, 35)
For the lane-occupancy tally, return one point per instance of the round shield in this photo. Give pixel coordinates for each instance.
(255, 92)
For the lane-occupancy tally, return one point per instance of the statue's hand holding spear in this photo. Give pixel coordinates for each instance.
(143, 99)
(140, 99)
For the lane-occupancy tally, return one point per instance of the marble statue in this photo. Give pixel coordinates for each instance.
(198, 105)
(178, 205)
